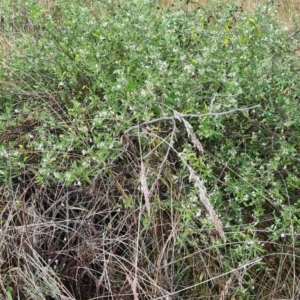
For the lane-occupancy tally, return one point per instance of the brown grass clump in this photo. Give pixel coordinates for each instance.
(61, 242)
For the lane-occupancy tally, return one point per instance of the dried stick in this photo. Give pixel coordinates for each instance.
(183, 116)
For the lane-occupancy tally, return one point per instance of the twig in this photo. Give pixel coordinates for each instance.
(210, 114)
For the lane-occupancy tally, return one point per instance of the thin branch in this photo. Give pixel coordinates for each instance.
(191, 116)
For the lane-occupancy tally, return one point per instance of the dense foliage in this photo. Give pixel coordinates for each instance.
(148, 152)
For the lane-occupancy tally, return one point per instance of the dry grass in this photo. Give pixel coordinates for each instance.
(69, 243)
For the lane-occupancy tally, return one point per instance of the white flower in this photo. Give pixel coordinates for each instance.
(40, 147)
(78, 183)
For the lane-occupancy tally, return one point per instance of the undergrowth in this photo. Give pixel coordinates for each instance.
(147, 152)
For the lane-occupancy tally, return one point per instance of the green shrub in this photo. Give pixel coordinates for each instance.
(129, 94)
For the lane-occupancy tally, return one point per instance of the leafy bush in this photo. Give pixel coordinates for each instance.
(156, 150)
